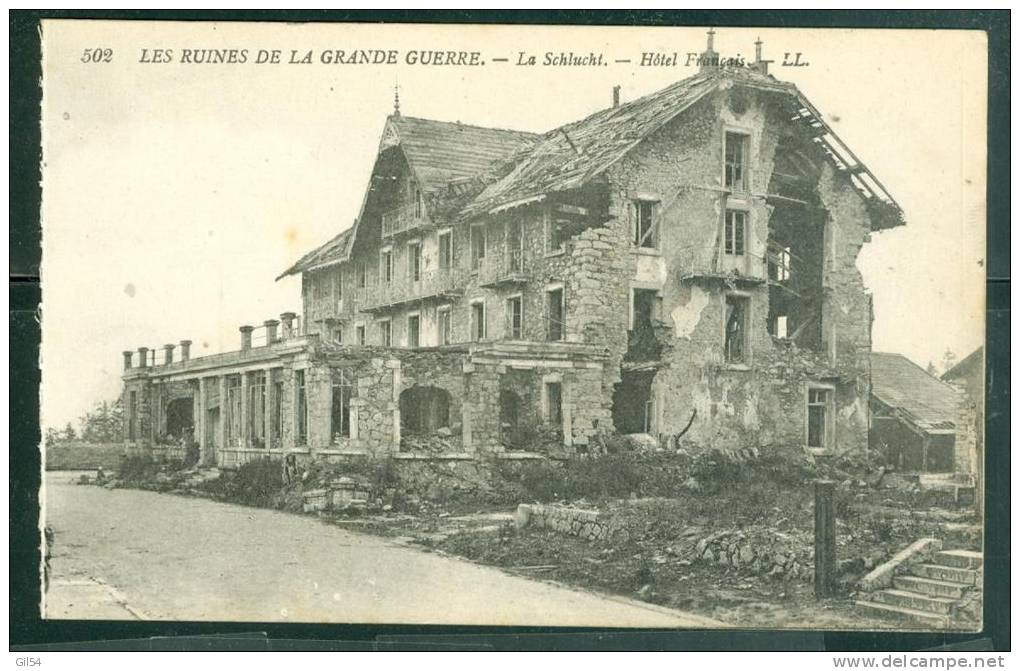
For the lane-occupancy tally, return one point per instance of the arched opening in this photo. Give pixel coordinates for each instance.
(179, 417)
(424, 409)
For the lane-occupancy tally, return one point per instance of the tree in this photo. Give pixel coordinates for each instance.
(948, 360)
(104, 423)
(932, 370)
(69, 433)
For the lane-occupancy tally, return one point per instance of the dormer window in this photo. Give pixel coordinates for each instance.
(736, 155)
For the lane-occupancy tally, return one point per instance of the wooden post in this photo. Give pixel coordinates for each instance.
(825, 538)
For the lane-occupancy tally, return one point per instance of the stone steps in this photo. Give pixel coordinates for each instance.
(941, 588)
(914, 601)
(963, 576)
(960, 559)
(887, 611)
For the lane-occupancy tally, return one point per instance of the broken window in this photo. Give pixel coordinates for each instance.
(736, 161)
(554, 403)
(555, 327)
(478, 321)
(779, 263)
(257, 409)
(515, 318)
(778, 326)
(736, 231)
(737, 345)
(340, 408)
(818, 418)
(477, 246)
(413, 331)
(385, 333)
(645, 227)
(414, 261)
(553, 234)
(386, 263)
(300, 409)
(444, 326)
(446, 250)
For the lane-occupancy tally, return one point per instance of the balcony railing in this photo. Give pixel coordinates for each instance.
(501, 270)
(400, 219)
(708, 262)
(402, 288)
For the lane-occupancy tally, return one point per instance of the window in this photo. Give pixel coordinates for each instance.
(515, 318)
(478, 321)
(737, 343)
(477, 246)
(779, 263)
(554, 403)
(736, 161)
(234, 411)
(443, 319)
(419, 203)
(386, 265)
(338, 284)
(385, 333)
(778, 327)
(555, 328)
(359, 334)
(300, 409)
(414, 261)
(257, 409)
(338, 335)
(413, 331)
(340, 409)
(553, 234)
(515, 247)
(645, 233)
(736, 225)
(362, 274)
(446, 250)
(818, 433)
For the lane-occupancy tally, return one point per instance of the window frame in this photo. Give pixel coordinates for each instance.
(300, 407)
(414, 258)
(444, 325)
(346, 387)
(386, 265)
(549, 231)
(549, 290)
(829, 418)
(730, 237)
(478, 260)
(360, 334)
(511, 332)
(479, 327)
(447, 262)
(385, 332)
(650, 239)
(415, 342)
(744, 163)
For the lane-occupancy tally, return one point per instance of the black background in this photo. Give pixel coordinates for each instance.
(29, 632)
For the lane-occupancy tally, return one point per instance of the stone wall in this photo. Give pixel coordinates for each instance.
(589, 525)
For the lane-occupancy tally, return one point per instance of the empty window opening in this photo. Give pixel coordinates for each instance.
(779, 262)
(257, 409)
(444, 326)
(445, 250)
(515, 247)
(737, 345)
(300, 409)
(477, 246)
(818, 418)
(736, 161)
(386, 261)
(385, 333)
(554, 403)
(555, 326)
(642, 345)
(634, 403)
(276, 414)
(414, 261)
(338, 335)
(424, 409)
(414, 331)
(554, 234)
(180, 417)
(478, 321)
(645, 226)
(515, 318)
(778, 327)
(362, 274)
(736, 232)
(359, 332)
(340, 410)
(796, 254)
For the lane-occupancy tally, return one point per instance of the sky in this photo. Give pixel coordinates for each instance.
(174, 193)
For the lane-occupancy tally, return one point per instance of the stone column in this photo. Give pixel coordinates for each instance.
(268, 414)
(245, 428)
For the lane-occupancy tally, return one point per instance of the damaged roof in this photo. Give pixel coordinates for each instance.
(440, 152)
(335, 250)
(920, 398)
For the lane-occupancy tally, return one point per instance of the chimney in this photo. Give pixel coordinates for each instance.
(127, 359)
(185, 350)
(169, 350)
(270, 325)
(709, 58)
(760, 65)
(287, 321)
(143, 357)
(246, 337)
(616, 96)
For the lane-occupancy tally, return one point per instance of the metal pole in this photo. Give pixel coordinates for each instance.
(825, 538)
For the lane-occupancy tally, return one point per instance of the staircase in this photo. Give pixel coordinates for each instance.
(932, 593)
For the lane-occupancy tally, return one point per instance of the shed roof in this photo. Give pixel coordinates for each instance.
(920, 398)
(334, 250)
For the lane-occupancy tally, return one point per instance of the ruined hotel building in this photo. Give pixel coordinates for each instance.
(681, 265)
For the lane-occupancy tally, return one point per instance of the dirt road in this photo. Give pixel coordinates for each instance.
(134, 554)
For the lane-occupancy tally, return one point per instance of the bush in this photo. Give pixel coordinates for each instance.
(137, 469)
